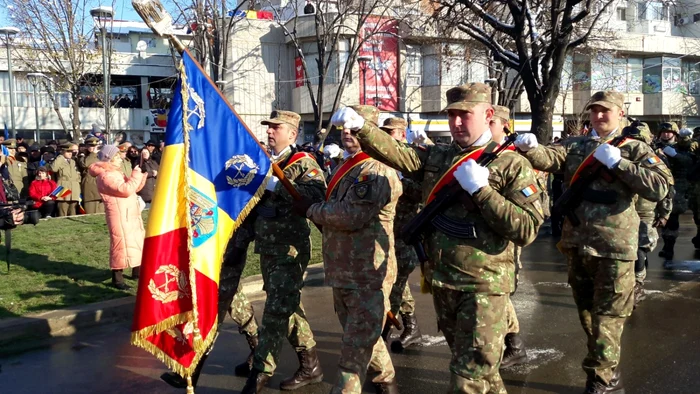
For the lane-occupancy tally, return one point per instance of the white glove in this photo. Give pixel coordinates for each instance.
(417, 137)
(685, 132)
(347, 118)
(272, 183)
(472, 176)
(332, 150)
(608, 155)
(526, 142)
(669, 151)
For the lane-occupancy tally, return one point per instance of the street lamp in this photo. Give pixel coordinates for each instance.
(34, 79)
(627, 109)
(8, 32)
(103, 13)
(364, 63)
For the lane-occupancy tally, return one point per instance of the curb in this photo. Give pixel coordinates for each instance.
(38, 330)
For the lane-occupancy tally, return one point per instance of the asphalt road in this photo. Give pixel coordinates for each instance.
(661, 342)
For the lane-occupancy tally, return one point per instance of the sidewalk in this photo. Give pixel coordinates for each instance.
(39, 330)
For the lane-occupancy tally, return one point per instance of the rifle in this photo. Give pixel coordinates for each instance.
(413, 233)
(574, 194)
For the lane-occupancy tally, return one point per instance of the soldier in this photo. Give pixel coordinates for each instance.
(677, 150)
(651, 215)
(283, 241)
(92, 200)
(602, 248)
(470, 267)
(233, 300)
(694, 193)
(358, 256)
(401, 299)
(67, 175)
(16, 168)
(126, 163)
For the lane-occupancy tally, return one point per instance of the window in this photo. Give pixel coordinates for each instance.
(621, 13)
(672, 75)
(691, 76)
(454, 70)
(431, 70)
(652, 11)
(581, 72)
(414, 66)
(335, 68)
(652, 75)
(619, 74)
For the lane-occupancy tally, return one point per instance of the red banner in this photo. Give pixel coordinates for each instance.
(298, 72)
(379, 77)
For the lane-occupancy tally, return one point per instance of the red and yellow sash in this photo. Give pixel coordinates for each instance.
(449, 175)
(298, 156)
(344, 168)
(589, 160)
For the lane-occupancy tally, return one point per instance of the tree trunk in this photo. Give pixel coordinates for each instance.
(542, 112)
(75, 96)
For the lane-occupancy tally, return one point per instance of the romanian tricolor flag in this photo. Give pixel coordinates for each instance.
(212, 173)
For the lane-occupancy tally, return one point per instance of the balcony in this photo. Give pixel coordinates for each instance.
(670, 103)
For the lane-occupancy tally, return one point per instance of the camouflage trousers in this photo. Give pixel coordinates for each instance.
(603, 290)
(648, 237)
(475, 326)
(512, 323)
(235, 302)
(283, 278)
(401, 299)
(362, 314)
(670, 230)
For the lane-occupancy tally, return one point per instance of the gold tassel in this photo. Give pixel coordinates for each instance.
(190, 389)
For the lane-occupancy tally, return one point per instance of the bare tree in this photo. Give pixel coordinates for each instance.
(56, 39)
(532, 37)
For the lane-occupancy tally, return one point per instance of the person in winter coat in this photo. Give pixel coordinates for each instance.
(122, 211)
(40, 192)
(150, 167)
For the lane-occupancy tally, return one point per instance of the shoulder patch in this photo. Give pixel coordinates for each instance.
(312, 173)
(529, 191)
(654, 160)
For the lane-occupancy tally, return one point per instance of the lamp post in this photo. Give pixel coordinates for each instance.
(364, 62)
(103, 13)
(8, 32)
(627, 109)
(34, 79)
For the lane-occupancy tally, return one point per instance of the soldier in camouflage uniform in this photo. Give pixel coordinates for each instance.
(359, 260)
(283, 241)
(92, 200)
(694, 192)
(470, 268)
(651, 215)
(231, 300)
(401, 299)
(677, 151)
(515, 352)
(602, 249)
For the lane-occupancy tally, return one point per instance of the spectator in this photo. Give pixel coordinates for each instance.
(150, 168)
(132, 154)
(122, 212)
(34, 153)
(17, 168)
(126, 164)
(97, 132)
(155, 153)
(53, 144)
(40, 192)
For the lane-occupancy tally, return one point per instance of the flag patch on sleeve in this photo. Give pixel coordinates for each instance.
(654, 160)
(312, 173)
(528, 191)
(362, 178)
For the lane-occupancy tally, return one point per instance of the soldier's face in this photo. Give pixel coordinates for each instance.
(350, 142)
(467, 126)
(398, 134)
(667, 136)
(497, 131)
(605, 120)
(280, 136)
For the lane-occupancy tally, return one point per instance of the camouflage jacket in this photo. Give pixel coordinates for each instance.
(358, 227)
(278, 230)
(505, 214)
(606, 230)
(89, 182)
(407, 207)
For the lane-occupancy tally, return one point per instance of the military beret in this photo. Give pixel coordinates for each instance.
(283, 117)
(468, 96)
(606, 99)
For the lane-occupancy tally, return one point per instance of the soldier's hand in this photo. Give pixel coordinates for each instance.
(300, 207)
(607, 154)
(347, 118)
(526, 142)
(472, 176)
(669, 151)
(660, 222)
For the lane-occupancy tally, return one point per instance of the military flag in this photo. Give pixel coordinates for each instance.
(212, 173)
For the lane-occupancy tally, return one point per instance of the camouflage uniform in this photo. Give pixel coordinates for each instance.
(600, 251)
(92, 200)
(283, 241)
(471, 279)
(360, 264)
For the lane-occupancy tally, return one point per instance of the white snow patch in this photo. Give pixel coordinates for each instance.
(553, 284)
(536, 358)
(430, 340)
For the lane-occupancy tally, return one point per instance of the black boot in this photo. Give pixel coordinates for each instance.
(309, 371)
(595, 386)
(118, 280)
(515, 352)
(667, 251)
(410, 335)
(244, 368)
(178, 381)
(639, 295)
(256, 382)
(696, 241)
(387, 388)
(135, 272)
(386, 332)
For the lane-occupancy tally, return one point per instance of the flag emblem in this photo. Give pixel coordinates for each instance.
(243, 169)
(654, 160)
(528, 191)
(312, 173)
